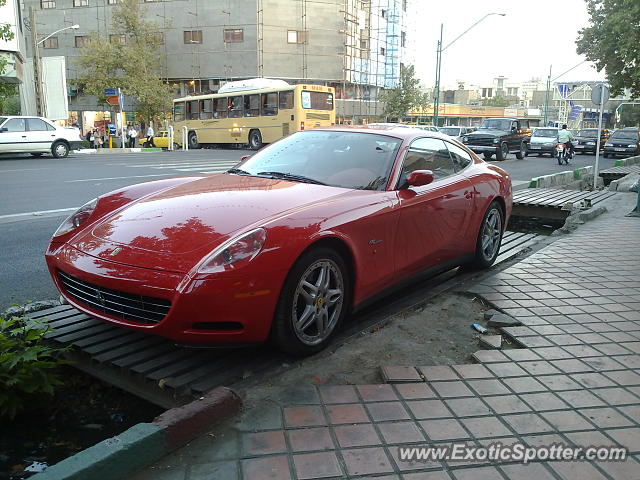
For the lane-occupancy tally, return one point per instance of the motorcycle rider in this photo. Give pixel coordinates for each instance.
(565, 137)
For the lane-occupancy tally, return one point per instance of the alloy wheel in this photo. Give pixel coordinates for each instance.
(491, 234)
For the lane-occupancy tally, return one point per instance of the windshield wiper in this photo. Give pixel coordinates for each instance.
(291, 176)
(238, 171)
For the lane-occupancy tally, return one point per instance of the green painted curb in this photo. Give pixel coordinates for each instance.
(533, 183)
(145, 150)
(112, 459)
(618, 163)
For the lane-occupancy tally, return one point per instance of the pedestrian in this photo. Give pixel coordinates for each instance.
(635, 188)
(92, 138)
(150, 135)
(132, 134)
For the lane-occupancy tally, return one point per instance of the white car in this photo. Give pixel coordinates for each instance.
(455, 131)
(36, 135)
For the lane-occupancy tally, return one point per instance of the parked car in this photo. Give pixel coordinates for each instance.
(456, 131)
(37, 135)
(499, 137)
(283, 246)
(429, 128)
(586, 140)
(624, 142)
(160, 140)
(543, 140)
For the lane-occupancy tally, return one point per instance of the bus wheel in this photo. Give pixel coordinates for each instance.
(255, 139)
(193, 141)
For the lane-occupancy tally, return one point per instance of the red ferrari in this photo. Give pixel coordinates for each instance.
(286, 244)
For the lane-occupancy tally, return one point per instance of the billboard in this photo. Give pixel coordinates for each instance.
(54, 88)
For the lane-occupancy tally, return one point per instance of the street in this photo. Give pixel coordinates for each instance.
(36, 194)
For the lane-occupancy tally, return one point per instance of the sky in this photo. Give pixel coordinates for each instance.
(521, 45)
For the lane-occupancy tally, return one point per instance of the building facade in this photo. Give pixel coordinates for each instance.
(12, 51)
(356, 46)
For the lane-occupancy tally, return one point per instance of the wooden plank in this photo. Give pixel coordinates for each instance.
(69, 320)
(112, 354)
(540, 193)
(181, 367)
(97, 348)
(144, 355)
(72, 328)
(165, 360)
(112, 332)
(51, 311)
(83, 333)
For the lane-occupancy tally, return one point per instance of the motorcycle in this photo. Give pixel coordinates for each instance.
(563, 154)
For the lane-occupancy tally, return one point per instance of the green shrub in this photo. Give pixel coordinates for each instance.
(26, 363)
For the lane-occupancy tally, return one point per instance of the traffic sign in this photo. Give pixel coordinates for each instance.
(111, 92)
(597, 94)
(113, 101)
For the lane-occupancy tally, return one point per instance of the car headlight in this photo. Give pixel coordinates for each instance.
(496, 140)
(608, 144)
(77, 218)
(465, 139)
(234, 252)
(631, 146)
(591, 143)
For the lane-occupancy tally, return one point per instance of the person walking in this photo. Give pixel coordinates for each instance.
(132, 133)
(150, 135)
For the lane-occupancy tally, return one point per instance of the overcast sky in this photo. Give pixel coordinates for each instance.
(519, 46)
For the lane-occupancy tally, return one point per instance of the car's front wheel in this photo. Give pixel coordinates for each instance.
(487, 156)
(489, 236)
(313, 302)
(503, 152)
(60, 149)
(522, 152)
(193, 141)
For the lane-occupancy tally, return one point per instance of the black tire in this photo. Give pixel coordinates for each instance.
(522, 152)
(502, 152)
(255, 140)
(284, 334)
(37, 154)
(487, 156)
(193, 141)
(60, 149)
(482, 259)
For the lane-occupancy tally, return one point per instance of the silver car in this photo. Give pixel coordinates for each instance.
(543, 140)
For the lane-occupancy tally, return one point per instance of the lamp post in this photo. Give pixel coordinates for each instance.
(440, 49)
(36, 57)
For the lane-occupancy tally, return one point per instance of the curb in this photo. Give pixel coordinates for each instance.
(625, 162)
(103, 151)
(144, 443)
(561, 178)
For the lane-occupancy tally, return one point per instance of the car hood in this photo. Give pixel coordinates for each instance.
(179, 225)
(487, 132)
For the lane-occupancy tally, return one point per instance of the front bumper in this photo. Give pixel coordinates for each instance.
(540, 148)
(219, 309)
(621, 150)
(482, 148)
(585, 148)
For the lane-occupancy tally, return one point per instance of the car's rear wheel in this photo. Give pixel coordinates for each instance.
(313, 302)
(255, 139)
(503, 152)
(489, 236)
(60, 149)
(522, 152)
(193, 141)
(487, 155)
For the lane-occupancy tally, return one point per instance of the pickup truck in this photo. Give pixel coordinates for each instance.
(499, 137)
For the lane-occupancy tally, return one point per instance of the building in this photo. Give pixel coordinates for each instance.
(12, 52)
(357, 46)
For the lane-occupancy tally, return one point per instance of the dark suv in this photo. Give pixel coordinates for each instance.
(500, 136)
(624, 142)
(586, 139)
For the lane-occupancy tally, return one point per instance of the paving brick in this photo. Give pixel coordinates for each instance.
(543, 440)
(525, 423)
(521, 354)
(306, 416)
(451, 389)
(377, 393)
(627, 437)
(524, 384)
(489, 356)
(444, 429)
(409, 465)
(477, 473)
(263, 443)
(309, 439)
(616, 396)
(401, 432)
(434, 373)
(590, 438)
(436, 475)
(566, 421)
(338, 394)
(625, 378)
(485, 427)
(356, 435)
(393, 374)
(266, 468)
(592, 380)
(413, 391)
(507, 404)
(559, 382)
(488, 387)
(571, 365)
(424, 409)
(349, 413)
(544, 401)
(605, 417)
(529, 471)
(468, 407)
(553, 353)
(310, 466)
(580, 398)
(506, 370)
(385, 411)
(576, 471)
(366, 461)
(473, 371)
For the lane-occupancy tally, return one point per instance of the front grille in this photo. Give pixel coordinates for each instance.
(127, 306)
(481, 141)
(318, 116)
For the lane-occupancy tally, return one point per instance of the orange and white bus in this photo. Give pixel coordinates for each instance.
(248, 112)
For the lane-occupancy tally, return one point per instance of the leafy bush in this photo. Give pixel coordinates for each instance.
(26, 363)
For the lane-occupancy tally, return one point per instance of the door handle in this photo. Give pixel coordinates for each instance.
(24, 136)
(468, 194)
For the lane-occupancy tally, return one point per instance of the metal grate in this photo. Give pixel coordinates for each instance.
(127, 306)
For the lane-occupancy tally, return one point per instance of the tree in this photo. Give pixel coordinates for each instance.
(8, 91)
(612, 42)
(406, 96)
(497, 101)
(131, 65)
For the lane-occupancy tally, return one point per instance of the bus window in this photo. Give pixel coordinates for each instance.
(205, 109)
(251, 105)
(270, 103)
(235, 107)
(192, 110)
(178, 112)
(317, 100)
(220, 107)
(286, 100)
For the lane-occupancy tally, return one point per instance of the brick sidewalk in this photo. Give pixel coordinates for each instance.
(576, 382)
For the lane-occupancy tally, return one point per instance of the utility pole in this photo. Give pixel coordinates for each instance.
(36, 60)
(546, 98)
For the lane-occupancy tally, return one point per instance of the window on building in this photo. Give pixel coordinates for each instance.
(112, 2)
(383, 51)
(403, 39)
(149, 1)
(51, 42)
(404, 5)
(193, 36)
(117, 38)
(234, 35)
(297, 36)
(80, 3)
(47, 4)
(383, 13)
(159, 38)
(81, 40)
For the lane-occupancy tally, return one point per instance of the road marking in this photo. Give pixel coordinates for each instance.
(184, 164)
(24, 169)
(40, 214)
(117, 178)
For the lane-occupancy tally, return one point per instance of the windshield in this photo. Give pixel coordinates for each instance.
(588, 132)
(453, 131)
(625, 135)
(341, 159)
(496, 124)
(545, 133)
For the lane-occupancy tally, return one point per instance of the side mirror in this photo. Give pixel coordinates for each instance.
(418, 178)
(514, 128)
(3, 129)
(244, 157)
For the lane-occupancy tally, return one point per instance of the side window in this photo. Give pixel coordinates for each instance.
(270, 103)
(205, 109)
(514, 125)
(461, 158)
(178, 112)
(192, 109)
(251, 105)
(37, 125)
(286, 100)
(16, 125)
(220, 107)
(427, 154)
(235, 107)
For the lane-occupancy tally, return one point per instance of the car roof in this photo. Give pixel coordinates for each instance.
(390, 130)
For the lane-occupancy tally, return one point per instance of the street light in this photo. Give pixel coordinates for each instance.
(74, 27)
(440, 49)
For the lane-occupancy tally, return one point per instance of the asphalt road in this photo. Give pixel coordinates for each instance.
(36, 194)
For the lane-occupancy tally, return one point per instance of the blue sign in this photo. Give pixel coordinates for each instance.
(112, 129)
(111, 92)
